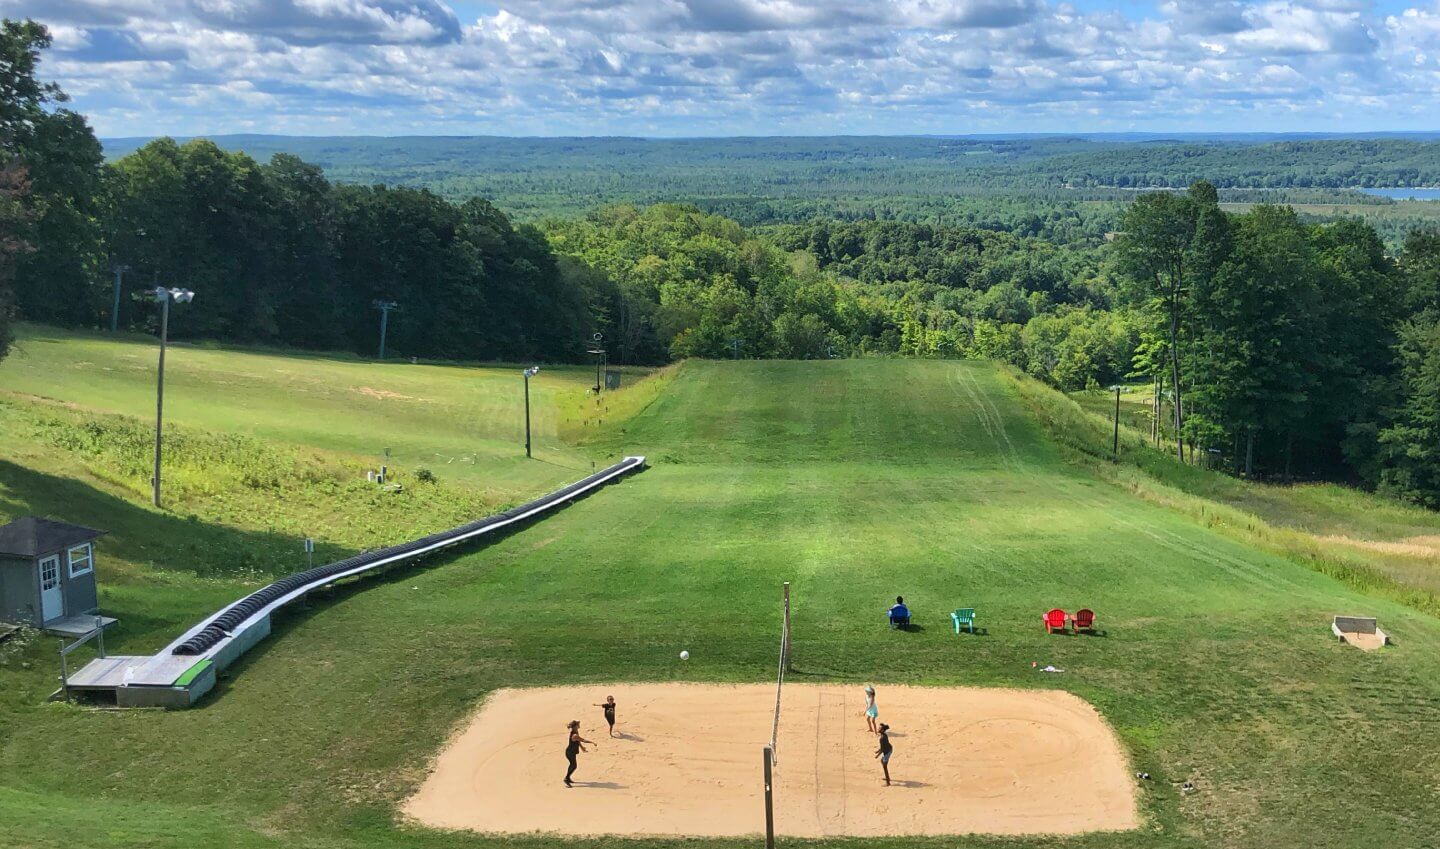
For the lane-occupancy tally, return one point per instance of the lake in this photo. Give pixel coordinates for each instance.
(1404, 194)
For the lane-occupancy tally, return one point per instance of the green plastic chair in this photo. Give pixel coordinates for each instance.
(965, 617)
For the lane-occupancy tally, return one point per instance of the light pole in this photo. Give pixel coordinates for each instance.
(164, 296)
(1115, 447)
(115, 308)
(384, 307)
(529, 373)
(598, 349)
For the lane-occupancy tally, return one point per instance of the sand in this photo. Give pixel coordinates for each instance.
(1364, 642)
(967, 760)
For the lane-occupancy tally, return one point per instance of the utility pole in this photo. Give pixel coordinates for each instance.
(529, 373)
(1115, 448)
(164, 296)
(115, 308)
(597, 348)
(384, 307)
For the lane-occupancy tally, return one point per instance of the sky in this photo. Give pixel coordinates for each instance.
(742, 67)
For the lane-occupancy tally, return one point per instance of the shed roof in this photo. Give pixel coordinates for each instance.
(30, 536)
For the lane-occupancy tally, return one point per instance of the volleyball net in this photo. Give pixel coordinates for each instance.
(782, 667)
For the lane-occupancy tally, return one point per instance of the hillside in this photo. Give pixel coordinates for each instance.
(953, 483)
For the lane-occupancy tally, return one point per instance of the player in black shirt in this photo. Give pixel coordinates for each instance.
(573, 748)
(883, 753)
(609, 708)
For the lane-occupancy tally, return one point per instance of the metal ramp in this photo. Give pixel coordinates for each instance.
(185, 670)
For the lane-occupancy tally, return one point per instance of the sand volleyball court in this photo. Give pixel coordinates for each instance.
(967, 760)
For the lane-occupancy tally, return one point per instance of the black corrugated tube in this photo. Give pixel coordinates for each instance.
(233, 616)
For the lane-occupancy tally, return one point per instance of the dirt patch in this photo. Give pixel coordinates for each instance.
(967, 760)
(385, 394)
(1365, 642)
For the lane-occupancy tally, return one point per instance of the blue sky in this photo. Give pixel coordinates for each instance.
(743, 67)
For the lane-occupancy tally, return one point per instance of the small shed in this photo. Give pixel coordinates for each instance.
(47, 574)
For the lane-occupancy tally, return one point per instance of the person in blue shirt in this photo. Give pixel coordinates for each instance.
(899, 613)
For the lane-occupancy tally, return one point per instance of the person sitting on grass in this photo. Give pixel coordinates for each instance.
(899, 613)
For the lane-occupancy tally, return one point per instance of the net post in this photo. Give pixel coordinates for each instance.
(787, 627)
(769, 801)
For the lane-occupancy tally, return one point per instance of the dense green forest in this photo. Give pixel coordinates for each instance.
(1057, 187)
(1275, 342)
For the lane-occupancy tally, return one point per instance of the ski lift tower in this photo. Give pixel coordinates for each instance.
(597, 347)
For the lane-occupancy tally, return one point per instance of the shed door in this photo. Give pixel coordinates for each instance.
(52, 598)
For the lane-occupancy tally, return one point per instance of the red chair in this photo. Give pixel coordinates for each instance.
(1055, 621)
(1084, 619)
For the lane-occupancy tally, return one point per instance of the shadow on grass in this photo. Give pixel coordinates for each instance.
(165, 541)
(286, 619)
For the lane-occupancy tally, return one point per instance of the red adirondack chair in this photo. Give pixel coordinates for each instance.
(1084, 619)
(1055, 621)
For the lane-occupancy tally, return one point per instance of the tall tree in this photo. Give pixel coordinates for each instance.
(55, 280)
(13, 221)
(1411, 445)
(1253, 357)
(1152, 253)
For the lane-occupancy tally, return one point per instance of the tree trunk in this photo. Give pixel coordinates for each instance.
(1250, 453)
(1289, 442)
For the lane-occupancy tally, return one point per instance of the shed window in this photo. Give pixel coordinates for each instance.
(50, 573)
(80, 561)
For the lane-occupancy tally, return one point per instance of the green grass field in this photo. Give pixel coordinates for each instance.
(855, 480)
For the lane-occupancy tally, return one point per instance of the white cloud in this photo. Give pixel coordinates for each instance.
(739, 66)
(331, 21)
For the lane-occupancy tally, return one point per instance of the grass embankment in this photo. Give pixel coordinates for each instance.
(1372, 543)
(855, 480)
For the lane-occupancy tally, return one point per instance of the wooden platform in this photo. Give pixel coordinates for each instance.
(79, 626)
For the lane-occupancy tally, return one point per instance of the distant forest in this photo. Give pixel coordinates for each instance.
(1059, 188)
(1277, 342)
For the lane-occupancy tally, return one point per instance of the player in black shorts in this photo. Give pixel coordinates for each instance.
(609, 708)
(572, 748)
(883, 753)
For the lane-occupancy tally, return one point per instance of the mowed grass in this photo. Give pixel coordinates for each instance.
(855, 481)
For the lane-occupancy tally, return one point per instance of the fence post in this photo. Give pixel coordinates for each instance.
(65, 672)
